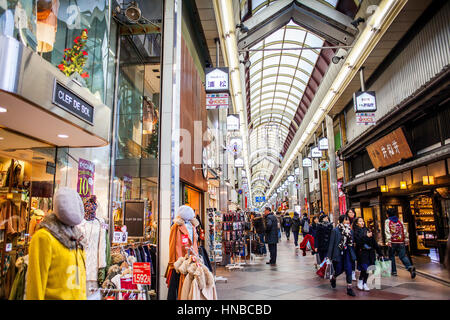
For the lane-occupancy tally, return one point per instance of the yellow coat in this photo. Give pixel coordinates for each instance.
(52, 269)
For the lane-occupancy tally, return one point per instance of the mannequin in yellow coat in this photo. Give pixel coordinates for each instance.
(56, 269)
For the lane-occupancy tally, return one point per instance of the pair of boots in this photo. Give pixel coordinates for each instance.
(349, 287)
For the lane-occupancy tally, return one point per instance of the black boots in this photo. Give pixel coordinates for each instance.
(350, 292)
(333, 282)
(412, 270)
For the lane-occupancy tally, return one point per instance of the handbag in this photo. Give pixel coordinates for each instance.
(383, 267)
(321, 271)
(329, 271)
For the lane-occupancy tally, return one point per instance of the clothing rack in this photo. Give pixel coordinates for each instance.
(150, 292)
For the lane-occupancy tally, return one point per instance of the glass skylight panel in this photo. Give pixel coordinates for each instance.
(333, 3)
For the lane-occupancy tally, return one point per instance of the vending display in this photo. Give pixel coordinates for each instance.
(424, 220)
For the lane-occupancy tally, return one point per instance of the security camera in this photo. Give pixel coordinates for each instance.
(356, 22)
(336, 59)
(243, 28)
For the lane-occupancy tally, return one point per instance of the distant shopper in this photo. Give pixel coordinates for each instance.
(352, 215)
(397, 239)
(260, 229)
(279, 217)
(341, 252)
(287, 224)
(322, 238)
(313, 231)
(296, 228)
(365, 247)
(305, 224)
(271, 235)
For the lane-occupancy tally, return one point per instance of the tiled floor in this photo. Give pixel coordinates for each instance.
(294, 278)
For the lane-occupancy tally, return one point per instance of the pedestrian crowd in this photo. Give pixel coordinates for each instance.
(346, 247)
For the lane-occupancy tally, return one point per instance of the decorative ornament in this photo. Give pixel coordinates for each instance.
(75, 58)
(323, 165)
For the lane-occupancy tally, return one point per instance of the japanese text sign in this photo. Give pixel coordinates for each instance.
(142, 273)
(216, 80)
(389, 150)
(85, 185)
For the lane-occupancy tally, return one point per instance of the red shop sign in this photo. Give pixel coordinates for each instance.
(142, 273)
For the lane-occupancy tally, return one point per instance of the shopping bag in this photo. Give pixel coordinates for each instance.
(308, 246)
(383, 267)
(329, 270)
(321, 271)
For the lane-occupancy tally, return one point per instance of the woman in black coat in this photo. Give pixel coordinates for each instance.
(366, 246)
(322, 238)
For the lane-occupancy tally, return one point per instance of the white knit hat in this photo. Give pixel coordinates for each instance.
(68, 206)
(186, 213)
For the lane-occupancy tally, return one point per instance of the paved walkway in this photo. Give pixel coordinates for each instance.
(294, 278)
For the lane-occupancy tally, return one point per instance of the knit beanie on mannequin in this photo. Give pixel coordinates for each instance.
(186, 213)
(68, 206)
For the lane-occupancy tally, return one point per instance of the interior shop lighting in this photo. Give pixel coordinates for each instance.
(291, 178)
(3, 109)
(63, 136)
(428, 180)
(375, 28)
(1, 138)
(384, 188)
(403, 185)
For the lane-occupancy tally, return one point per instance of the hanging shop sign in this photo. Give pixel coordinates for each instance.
(323, 144)
(71, 102)
(324, 165)
(286, 193)
(205, 163)
(239, 163)
(142, 273)
(217, 101)
(316, 153)
(120, 237)
(216, 80)
(260, 199)
(235, 146)
(364, 101)
(133, 217)
(298, 186)
(85, 185)
(50, 168)
(297, 171)
(366, 118)
(389, 150)
(233, 122)
(307, 162)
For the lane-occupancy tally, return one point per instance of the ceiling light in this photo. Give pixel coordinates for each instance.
(3, 109)
(63, 136)
(1, 138)
(133, 13)
(336, 59)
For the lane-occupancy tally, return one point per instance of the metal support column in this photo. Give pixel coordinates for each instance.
(301, 182)
(332, 169)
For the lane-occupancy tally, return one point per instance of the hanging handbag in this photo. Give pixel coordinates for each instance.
(329, 271)
(322, 267)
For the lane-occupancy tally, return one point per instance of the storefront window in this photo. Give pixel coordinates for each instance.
(27, 170)
(52, 27)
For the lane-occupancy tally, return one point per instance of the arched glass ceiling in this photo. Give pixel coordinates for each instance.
(277, 81)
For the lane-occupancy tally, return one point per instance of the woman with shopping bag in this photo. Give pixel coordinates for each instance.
(366, 248)
(341, 252)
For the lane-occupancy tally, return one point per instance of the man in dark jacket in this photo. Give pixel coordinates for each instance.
(287, 224)
(258, 224)
(271, 235)
(296, 228)
(322, 239)
(303, 222)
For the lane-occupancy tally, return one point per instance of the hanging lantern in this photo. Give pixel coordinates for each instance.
(427, 180)
(403, 185)
(384, 188)
(46, 24)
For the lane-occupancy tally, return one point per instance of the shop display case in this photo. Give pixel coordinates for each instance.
(424, 222)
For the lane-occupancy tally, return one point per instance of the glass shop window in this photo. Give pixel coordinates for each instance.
(70, 34)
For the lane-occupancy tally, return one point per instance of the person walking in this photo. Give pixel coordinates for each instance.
(322, 238)
(260, 229)
(305, 224)
(365, 246)
(287, 223)
(279, 216)
(341, 252)
(313, 232)
(397, 238)
(351, 215)
(271, 235)
(296, 228)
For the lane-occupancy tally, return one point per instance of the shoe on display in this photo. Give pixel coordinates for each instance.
(412, 270)
(360, 285)
(333, 282)
(366, 287)
(353, 276)
(350, 292)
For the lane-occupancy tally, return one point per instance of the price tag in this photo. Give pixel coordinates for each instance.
(8, 247)
(142, 273)
(184, 239)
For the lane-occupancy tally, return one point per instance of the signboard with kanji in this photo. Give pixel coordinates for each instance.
(366, 118)
(364, 101)
(142, 273)
(217, 101)
(216, 80)
(389, 150)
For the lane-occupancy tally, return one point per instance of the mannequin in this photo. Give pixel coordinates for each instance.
(183, 236)
(94, 233)
(36, 218)
(56, 269)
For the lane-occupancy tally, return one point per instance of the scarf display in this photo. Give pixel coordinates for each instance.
(347, 239)
(90, 208)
